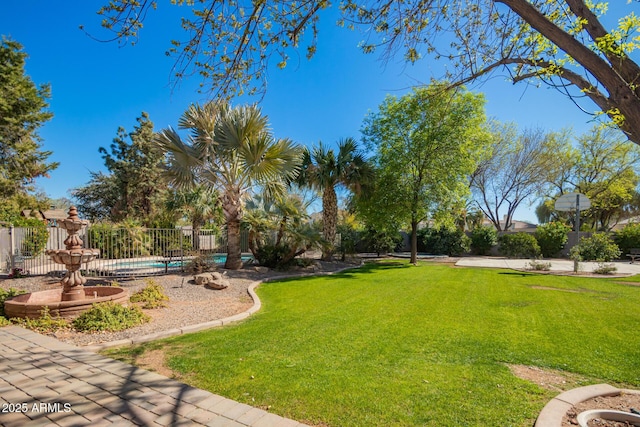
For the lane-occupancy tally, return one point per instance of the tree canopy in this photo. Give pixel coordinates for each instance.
(133, 187)
(564, 44)
(23, 110)
(426, 145)
(602, 166)
(325, 170)
(230, 150)
(136, 166)
(515, 170)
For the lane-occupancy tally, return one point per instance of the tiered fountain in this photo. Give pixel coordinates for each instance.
(72, 298)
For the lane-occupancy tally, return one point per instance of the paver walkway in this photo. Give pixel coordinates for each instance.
(44, 382)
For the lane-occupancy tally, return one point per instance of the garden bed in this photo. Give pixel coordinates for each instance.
(189, 304)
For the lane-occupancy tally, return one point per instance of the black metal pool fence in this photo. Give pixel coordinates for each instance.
(123, 251)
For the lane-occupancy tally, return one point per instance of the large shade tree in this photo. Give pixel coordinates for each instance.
(325, 170)
(426, 145)
(565, 44)
(97, 197)
(133, 188)
(602, 166)
(515, 170)
(232, 151)
(132, 160)
(23, 110)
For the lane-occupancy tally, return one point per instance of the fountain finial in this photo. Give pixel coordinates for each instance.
(73, 214)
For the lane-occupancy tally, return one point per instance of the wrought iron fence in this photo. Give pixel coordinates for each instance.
(136, 251)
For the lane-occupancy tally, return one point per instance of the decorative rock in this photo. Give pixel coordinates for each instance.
(202, 278)
(213, 280)
(218, 284)
(260, 269)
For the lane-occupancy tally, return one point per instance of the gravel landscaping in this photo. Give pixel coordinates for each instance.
(189, 304)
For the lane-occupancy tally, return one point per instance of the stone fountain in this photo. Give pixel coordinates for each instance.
(72, 297)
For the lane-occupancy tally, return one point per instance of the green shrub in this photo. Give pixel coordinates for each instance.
(552, 237)
(274, 256)
(303, 262)
(519, 245)
(604, 268)
(5, 322)
(628, 238)
(36, 238)
(483, 238)
(18, 273)
(128, 239)
(166, 240)
(103, 236)
(152, 295)
(7, 294)
(599, 247)
(133, 240)
(443, 241)
(538, 265)
(44, 324)
(348, 238)
(110, 316)
(379, 241)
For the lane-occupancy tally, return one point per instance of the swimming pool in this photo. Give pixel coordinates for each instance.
(152, 264)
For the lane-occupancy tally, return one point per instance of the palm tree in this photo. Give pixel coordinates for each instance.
(200, 204)
(230, 150)
(281, 224)
(258, 221)
(325, 170)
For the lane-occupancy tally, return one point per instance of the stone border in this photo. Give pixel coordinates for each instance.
(257, 304)
(554, 411)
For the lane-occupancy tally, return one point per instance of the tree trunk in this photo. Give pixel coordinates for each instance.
(234, 253)
(618, 78)
(329, 221)
(196, 226)
(283, 224)
(414, 242)
(232, 208)
(252, 242)
(195, 238)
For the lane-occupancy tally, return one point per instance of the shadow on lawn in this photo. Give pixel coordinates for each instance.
(517, 273)
(369, 267)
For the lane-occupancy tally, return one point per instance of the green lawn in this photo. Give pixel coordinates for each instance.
(398, 345)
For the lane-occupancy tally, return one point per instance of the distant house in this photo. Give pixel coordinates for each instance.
(48, 216)
(620, 225)
(523, 226)
(516, 225)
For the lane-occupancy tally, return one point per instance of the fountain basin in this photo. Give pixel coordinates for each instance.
(608, 415)
(73, 257)
(31, 305)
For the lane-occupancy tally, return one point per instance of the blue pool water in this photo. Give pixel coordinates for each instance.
(217, 258)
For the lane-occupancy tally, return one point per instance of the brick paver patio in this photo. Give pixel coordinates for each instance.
(44, 382)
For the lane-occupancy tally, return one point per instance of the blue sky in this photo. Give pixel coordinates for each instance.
(97, 87)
